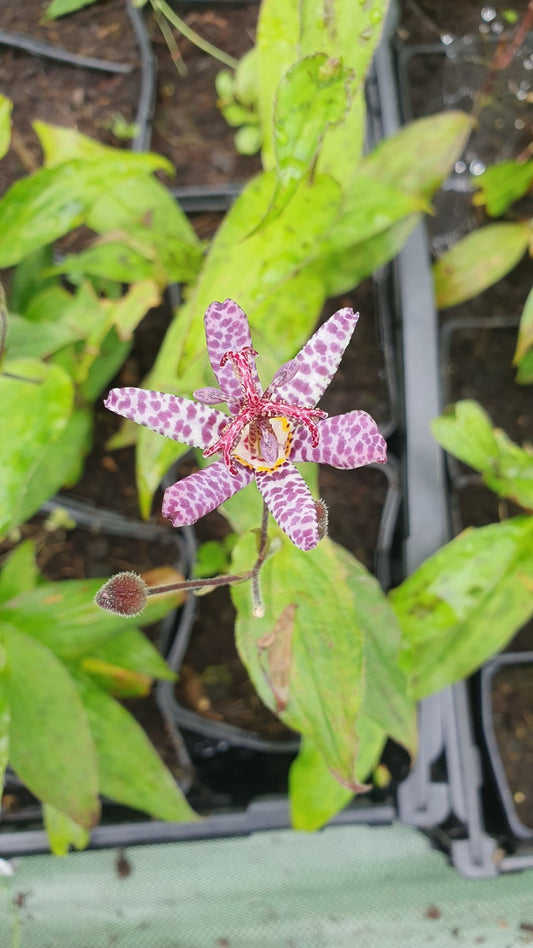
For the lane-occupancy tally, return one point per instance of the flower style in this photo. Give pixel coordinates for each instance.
(265, 432)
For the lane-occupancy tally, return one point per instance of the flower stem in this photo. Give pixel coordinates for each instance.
(162, 7)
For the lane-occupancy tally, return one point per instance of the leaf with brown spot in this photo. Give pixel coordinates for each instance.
(276, 655)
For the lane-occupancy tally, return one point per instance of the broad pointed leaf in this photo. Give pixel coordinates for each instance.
(312, 96)
(35, 408)
(315, 796)
(466, 431)
(51, 748)
(312, 658)
(130, 770)
(420, 155)
(62, 145)
(63, 832)
(19, 571)
(477, 261)
(503, 184)
(465, 603)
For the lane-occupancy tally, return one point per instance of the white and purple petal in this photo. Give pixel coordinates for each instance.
(290, 502)
(227, 330)
(346, 441)
(318, 361)
(169, 415)
(200, 493)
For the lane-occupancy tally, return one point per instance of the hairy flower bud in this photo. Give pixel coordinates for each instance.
(124, 594)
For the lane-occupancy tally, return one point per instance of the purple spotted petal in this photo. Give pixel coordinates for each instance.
(227, 329)
(198, 494)
(170, 415)
(318, 361)
(347, 441)
(289, 500)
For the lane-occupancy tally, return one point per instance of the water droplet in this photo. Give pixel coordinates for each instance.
(446, 39)
(497, 27)
(488, 14)
(376, 17)
(484, 28)
(528, 63)
(460, 167)
(521, 95)
(476, 167)
(519, 124)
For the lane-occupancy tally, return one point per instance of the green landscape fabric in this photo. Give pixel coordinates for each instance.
(345, 886)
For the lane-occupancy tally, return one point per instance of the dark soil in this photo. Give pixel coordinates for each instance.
(189, 128)
(512, 697)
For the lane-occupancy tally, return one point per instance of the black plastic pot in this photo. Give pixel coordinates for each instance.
(518, 829)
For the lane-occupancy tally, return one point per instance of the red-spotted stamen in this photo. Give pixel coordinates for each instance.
(260, 434)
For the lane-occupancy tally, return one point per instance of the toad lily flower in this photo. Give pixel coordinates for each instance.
(265, 432)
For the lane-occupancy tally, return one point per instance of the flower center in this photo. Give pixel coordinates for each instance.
(265, 444)
(260, 434)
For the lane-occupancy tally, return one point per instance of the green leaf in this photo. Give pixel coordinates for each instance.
(6, 107)
(40, 208)
(59, 8)
(130, 770)
(63, 832)
(5, 715)
(345, 31)
(344, 270)
(370, 209)
(524, 343)
(30, 278)
(314, 794)
(466, 431)
(29, 340)
(35, 407)
(130, 649)
(51, 748)
(64, 618)
(19, 572)
(417, 159)
(140, 255)
(524, 375)
(503, 184)
(62, 145)
(464, 603)
(93, 188)
(312, 96)
(327, 639)
(477, 261)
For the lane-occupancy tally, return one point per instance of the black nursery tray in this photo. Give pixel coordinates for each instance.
(506, 698)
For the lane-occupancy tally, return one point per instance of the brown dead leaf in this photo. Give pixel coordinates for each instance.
(276, 647)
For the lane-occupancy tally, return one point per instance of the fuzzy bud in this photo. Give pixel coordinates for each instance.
(124, 594)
